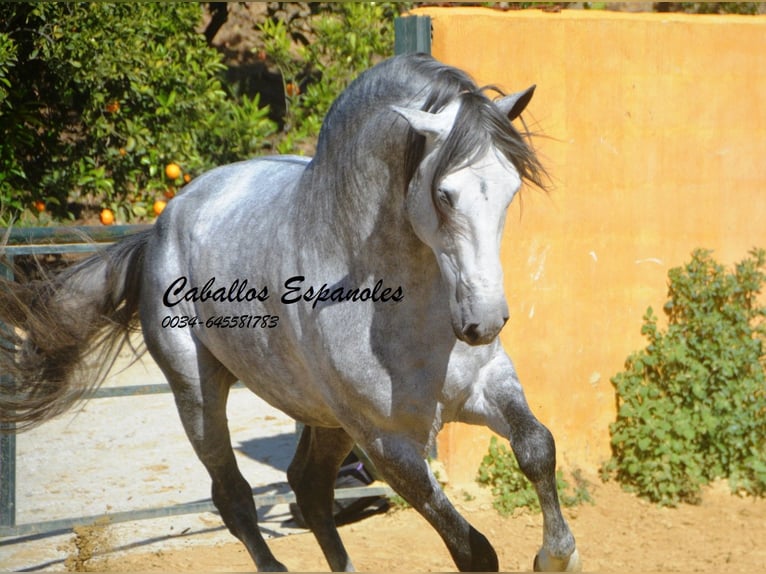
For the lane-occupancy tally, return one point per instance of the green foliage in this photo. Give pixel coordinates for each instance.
(750, 8)
(96, 98)
(350, 37)
(398, 503)
(692, 404)
(10, 167)
(511, 489)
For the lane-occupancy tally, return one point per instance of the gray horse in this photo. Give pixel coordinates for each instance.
(360, 292)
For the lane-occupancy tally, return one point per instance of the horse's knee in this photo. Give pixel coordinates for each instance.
(535, 451)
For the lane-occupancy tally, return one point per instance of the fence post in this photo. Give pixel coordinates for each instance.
(412, 34)
(7, 444)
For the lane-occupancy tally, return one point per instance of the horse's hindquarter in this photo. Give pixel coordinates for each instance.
(214, 271)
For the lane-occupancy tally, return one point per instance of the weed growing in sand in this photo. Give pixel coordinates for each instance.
(500, 471)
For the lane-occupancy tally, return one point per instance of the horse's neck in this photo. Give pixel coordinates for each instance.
(352, 194)
(355, 215)
(348, 181)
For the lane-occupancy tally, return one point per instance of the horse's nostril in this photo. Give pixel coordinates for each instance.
(471, 333)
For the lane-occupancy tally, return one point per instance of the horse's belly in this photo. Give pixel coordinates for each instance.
(273, 368)
(299, 407)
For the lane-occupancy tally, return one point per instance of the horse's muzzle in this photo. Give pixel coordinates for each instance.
(480, 334)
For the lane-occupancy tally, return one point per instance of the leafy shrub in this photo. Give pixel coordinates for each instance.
(9, 166)
(692, 404)
(511, 489)
(349, 37)
(711, 7)
(96, 98)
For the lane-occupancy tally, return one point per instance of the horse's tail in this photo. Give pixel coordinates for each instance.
(59, 336)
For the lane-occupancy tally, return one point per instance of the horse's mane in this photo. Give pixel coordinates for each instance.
(361, 136)
(424, 81)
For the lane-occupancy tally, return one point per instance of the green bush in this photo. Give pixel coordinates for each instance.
(500, 471)
(692, 404)
(12, 136)
(711, 7)
(349, 37)
(95, 99)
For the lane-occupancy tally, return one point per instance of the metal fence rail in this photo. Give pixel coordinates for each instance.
(42, 241)
(53, 527)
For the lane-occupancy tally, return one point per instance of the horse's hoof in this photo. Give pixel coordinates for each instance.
(544, 562)
(272, 566)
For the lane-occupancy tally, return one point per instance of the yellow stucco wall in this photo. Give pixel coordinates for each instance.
(655, 137)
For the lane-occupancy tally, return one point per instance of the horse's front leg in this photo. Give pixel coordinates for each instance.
(400, 461)
(498, 401)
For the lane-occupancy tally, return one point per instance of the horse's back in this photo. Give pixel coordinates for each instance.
(225, 205)
(247, 183)
(225, 220)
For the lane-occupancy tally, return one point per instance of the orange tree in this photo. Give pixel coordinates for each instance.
(347, 38)
(96, 99)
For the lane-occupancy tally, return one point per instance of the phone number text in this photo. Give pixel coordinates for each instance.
(220, 322)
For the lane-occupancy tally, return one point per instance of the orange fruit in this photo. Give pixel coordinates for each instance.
(159, 205)
(292, 89)
(123, 151)
(187, 178)
(169, 193)
(172, 170)
(113, 107)
(40, 205)
(107, 216)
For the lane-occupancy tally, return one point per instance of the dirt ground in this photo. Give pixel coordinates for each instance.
(618, 532)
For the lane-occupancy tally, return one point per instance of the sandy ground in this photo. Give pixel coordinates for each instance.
(618, 533)
(130, 453)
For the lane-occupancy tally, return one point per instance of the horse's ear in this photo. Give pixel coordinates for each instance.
(435, 126)
(513, 104)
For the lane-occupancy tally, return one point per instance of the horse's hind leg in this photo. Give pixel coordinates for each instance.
(312, 475)
(499, 402)
(201, 387)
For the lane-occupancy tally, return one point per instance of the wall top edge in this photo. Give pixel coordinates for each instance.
(590, 15)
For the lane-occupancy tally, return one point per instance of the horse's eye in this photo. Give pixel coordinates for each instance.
(446, 197)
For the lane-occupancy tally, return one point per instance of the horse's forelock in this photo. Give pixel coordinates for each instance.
(442, 85)
(480, 124)
(515, 145)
